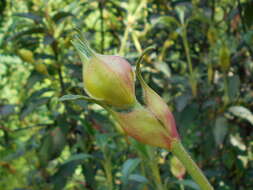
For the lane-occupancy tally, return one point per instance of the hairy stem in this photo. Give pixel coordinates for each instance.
(179, 151)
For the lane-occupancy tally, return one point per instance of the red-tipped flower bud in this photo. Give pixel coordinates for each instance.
(160, 109)
(142, 125)
(157, 106)
(154, 124)
(110, 79)
(107, 78)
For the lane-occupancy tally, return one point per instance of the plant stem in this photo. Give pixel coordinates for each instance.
(155, 170)
(124, 41)
(193, 82)
(179, 151)
(108, 173)
(101, 10)
(226, 96)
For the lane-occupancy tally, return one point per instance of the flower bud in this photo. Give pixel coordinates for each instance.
(107, 78)
(142, 125)
(224, 56)
(26, 55)
(177, 168)
(157, 106)
(160, 109)
(212, 35)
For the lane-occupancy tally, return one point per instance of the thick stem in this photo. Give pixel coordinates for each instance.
(179, 151)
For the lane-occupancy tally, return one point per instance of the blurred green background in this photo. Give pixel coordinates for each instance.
(202, 67)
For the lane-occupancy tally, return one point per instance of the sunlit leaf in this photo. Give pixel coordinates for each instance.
(242, 112)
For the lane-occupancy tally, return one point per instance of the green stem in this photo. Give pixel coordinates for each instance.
(124, 41)
(101, 10)
(226, 97)
(108, 172)
(189, 62)
(187, 50)
(179, 151)
(157, 176)
(155, 170)
(181, 187)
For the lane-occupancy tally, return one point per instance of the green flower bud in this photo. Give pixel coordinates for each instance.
(107, 78)
(157, 106)
(177, 168)
(142, 125)
(26, 55)
(224, 56)
(160, 109)
(153, 124)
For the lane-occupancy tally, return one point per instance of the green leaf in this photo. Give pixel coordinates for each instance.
(52, 146)
(233, 86)
(242, 112)
(168, 20)
(32, 106)
(220, 129)
(164, 68)
(71, 97)
(6, 110)
(60, 178)
(27, 32)
(182, 101)
(31, 16)
(104, 139)
(188, 183)
(79, 157)
(48, 39)
(58, 17)
(128, 167)
(33, 79)
(248, 13)
(138, 178)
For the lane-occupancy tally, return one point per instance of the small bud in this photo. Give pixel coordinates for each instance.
(211, 35)
(26, 55)
(224, 56)
(177, 168)
(41, 68)
(160, 109)
(107, 78)
(157, 106)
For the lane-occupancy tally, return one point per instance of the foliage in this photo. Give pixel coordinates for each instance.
(202, 66)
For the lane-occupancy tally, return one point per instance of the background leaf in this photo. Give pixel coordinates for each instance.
(242, 112)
